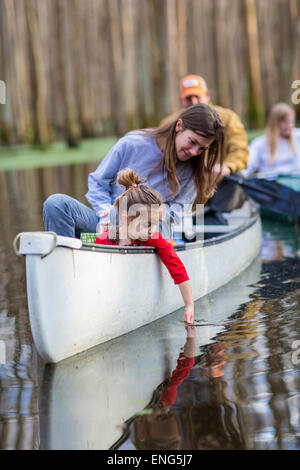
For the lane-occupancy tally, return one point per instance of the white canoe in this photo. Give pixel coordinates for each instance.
(81, 296)
(85, 399)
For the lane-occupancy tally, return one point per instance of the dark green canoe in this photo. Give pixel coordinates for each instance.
(293, 182)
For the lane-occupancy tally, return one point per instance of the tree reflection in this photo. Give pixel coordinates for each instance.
(22, 196)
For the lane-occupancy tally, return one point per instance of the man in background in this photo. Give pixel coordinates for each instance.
(193, 90)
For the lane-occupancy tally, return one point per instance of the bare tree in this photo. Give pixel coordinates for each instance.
(256, 104)
(38, 77)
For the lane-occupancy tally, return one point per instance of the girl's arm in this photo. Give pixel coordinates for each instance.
(186, 292)
(177, 271)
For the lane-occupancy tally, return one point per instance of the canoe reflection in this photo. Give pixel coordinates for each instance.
(86, 398)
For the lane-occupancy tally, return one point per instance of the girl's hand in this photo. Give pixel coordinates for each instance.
(190, 331)
(189, 314)
(187, 296)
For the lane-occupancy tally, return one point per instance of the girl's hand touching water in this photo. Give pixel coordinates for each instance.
(186, 292)
(189, 314)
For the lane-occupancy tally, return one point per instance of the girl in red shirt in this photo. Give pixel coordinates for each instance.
(139, 209)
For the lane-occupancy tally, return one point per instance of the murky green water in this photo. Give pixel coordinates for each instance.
(230, 383)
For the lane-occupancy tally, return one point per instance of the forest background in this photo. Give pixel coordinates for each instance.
(76, 69)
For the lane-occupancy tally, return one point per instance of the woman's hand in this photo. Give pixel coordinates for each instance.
(102, 224)
(220, 171)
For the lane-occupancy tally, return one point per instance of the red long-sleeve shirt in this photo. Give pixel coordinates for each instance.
(165, 250)
(182, 371)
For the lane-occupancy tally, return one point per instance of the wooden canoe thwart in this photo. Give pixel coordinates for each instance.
(81, 295)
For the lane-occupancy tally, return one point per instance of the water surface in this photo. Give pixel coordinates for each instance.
(238, 384)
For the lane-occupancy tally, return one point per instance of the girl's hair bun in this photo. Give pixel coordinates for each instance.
(135, 191)
(128, 178)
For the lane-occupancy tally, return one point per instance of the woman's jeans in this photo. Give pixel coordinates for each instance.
(66, 216)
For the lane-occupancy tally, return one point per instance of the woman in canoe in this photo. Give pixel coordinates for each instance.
(278, 151)
(139, 212)
(181, 160)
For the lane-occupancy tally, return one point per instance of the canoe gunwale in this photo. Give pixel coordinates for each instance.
(187, 246)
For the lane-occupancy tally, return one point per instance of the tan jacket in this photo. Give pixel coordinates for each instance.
(236, 153)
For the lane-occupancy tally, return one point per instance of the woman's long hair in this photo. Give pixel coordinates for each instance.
(204, 121)
(279, 113)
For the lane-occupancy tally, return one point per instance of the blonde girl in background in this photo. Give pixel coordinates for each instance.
(278, 150)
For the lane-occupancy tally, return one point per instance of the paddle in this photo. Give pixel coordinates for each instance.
(270, 195)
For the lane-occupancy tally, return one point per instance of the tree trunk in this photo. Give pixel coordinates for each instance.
(116, 53)
(39, 85)
(81, 82)
(222, 46)
(72, 129)
(129, 83)
(149, 70)
(104, 79)
(255, 103)
(181, 39)
(296, 59)
(172, 77)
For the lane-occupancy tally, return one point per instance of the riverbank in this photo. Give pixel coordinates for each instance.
(23, 157)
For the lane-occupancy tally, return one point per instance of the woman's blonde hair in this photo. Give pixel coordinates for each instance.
(204, 121)
(279, 113)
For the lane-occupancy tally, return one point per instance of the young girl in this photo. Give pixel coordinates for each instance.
(141, 230)
(278, 151)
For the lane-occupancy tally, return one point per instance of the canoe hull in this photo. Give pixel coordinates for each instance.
(78, 299)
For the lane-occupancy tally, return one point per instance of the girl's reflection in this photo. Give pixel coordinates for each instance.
(198, 416)
(161, 429)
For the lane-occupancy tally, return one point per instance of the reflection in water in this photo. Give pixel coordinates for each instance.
(159, 428)
(280, 240)
(19, 419)
(240, 390)
(22, 194)
(243, 392)
(86, 398)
